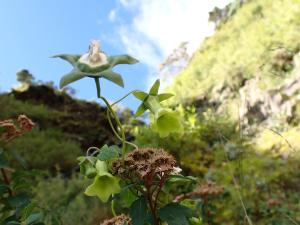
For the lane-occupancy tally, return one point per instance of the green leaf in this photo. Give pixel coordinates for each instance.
(126, 198)
(3, 188)
(108, 153)
(19, 200)
(121, 59)
(165, 96)
(140, 95)
(28, 210)
(175, 214)
(33, 218)
(140, 110)
(70, 58)
(71, 77)
(113, 77)
(138, 211)
(154, 88)
(3, 161)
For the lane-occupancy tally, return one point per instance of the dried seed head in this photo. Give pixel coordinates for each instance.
(118, 220)
(26, 124)
(208, 189)
(145, 163)
(273, 202)
(11, 131)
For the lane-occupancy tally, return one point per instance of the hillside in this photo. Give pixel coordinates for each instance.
(66, 127)
(259, 44)
(249, 71)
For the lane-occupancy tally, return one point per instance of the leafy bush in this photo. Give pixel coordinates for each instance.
(64, 203)
(46, 150)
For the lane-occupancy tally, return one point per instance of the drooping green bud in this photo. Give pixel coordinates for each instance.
(87, 167)
(166, 121)
(104, 184)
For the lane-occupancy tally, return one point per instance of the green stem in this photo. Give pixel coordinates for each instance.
(125, 96)
(113, 207)
(119, 125)
(97, 81)
(116, 133)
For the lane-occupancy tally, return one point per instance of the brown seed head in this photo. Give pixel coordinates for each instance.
(208, 189)
(118, 220)
(11, 131)
(145, 163)
(26, 124)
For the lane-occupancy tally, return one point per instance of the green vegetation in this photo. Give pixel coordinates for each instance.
(232, 127)
(244, 47)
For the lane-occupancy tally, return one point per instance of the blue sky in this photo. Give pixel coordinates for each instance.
(34, 30)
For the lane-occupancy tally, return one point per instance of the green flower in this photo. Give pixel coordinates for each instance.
(165, 122)
(104, 184)
(94, 64)
(150, 101)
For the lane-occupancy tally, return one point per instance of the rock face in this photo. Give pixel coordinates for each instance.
(82, 121)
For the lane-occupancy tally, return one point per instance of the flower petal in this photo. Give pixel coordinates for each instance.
(70, 58)
(71, 77)
(103, 187)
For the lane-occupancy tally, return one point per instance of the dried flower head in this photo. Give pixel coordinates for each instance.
(146, 164)
(209, 189)
(12, 131)
(273, 203)
(26, 124)
(118, 220)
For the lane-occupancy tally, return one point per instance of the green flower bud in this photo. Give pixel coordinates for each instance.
(90, 172)
(104, 184)
(166, 121)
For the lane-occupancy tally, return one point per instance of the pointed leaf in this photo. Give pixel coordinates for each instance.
(71, 77)
(33, 218)
(155, 87)
(108, 153)
(140, 95)
(121, 59)
(175, 214)
(113, 77)
(165, 96)
(70, 58)
(140, 110)
(138, 211)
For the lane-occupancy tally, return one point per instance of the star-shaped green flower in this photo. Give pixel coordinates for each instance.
(94, 64)
(150, 100)
(104, 184)
(165, 121)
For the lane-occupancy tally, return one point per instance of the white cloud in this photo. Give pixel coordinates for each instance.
(112, 15)
(160, 26)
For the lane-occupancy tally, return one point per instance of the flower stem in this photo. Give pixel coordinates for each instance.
(125, 96)
(111, 110)
(97, 81)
